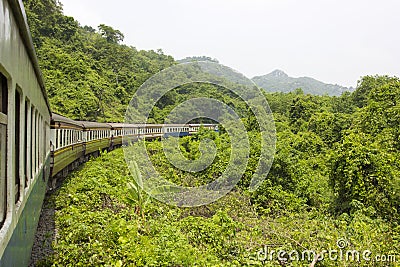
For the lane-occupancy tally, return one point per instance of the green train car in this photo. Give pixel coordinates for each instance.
(24, 137)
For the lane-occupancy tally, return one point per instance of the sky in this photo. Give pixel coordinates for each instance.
(335, 41)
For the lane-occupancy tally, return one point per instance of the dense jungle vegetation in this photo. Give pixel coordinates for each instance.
(336, 173)
(89, 74)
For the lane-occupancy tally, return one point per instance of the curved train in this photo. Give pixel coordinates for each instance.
(73, 142)
(36, 146)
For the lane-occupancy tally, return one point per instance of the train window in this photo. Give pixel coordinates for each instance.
(32, 156)
(46, 144)
(42, 142)
(55, 139)
(3, 146)
(37, 144)
(17, 129)
(27, 145)
(60, 141)
(4, 94)
(65, 136)
(61, 138)
(40, 136)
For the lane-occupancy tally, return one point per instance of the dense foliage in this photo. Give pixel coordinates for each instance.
(97, 224)
(89, 75)
(333, 178)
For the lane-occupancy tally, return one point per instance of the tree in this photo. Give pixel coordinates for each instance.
(111, 35)
(362, 172)
(366, 85)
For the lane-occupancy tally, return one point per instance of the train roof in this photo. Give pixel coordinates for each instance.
(90, 125)
(123, 125)
(203, 124)
(128, 125)
(18, 10)
(59, 120)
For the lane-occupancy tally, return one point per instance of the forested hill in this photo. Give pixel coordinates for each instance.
(279, 81)
(88, 73)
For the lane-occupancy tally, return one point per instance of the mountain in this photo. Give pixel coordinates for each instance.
(279, 81)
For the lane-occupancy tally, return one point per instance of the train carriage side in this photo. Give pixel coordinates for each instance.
(116, 134)
(97, 137)
(24, 133)
(176, 130)
(194, 128)
(122, 132)
(153, 131)
(67, 144)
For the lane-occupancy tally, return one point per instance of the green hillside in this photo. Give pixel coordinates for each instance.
(89, 73)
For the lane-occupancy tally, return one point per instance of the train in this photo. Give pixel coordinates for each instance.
(74, 142)
(38, 147)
